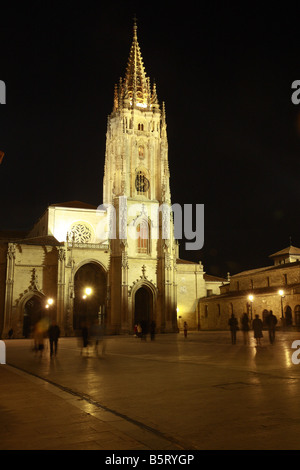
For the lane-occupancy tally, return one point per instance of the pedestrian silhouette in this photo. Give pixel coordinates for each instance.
(271, 322)
(257, 326)
(54, 334)
(152, 330)
(38, 336)
(245, 327)
(233, 324)
(84, 337)
(185, 329)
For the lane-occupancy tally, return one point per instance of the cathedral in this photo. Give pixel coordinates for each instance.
(118, 263)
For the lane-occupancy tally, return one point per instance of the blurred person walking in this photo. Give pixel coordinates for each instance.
(54, 334)
(233, 324)
(152, 330)
(271, 322)
(257, 326)
(245, 327)
(38, 336)
(185, 329)
(85, 338)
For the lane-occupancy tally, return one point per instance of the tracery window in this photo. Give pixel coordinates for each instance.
(80, 233)
(141, 183)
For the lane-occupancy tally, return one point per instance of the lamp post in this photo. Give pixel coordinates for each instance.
(251, 298)
(87, 292)
(281, 293)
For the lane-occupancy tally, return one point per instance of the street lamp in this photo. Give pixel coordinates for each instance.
(49, 303)
(281, 293)
(251, 298)
(87, 292)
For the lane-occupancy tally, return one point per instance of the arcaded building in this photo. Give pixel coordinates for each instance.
(256, 292)
(117, 263)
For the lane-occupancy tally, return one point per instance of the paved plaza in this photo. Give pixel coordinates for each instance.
(198, 393)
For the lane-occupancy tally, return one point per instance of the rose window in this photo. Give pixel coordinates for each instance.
(80, 233)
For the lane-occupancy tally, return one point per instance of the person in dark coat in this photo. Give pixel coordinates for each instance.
(54, 334)
(233, 324)
(245, 327)
(185, 329)
(85, 337)
(272, 322)
(257, 326)
(152, 330)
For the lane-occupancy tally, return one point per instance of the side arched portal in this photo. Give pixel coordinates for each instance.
(143, 307)
(89, 304)
(32, 314)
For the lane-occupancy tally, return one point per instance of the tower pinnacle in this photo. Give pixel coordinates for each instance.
(135, 90)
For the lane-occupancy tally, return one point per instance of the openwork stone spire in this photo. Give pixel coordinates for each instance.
(135, 73)
(135, 89)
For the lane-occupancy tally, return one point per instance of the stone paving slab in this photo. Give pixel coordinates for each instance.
(37, 416)
(202, 393)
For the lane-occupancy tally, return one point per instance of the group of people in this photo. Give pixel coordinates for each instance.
(257, 326)
(93, 336)
(141, 330)
(41, 331)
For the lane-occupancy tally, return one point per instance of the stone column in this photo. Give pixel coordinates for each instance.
(61, 289)
(10, 271)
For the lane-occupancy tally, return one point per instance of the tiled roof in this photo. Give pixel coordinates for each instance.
(290, 250)
(41, 241)
(209, 278)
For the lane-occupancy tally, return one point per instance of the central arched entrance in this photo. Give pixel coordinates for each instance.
(88, 307)
(143, 307)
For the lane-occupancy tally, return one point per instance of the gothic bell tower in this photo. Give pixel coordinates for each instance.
(137, 185)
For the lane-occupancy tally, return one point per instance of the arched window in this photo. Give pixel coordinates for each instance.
(140, 127)
(143, 237)
(141, 183)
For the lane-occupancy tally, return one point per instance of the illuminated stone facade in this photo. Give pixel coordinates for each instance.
(275, 287)
(124, 250)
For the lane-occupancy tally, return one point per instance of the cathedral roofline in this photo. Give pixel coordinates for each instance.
(74, 205)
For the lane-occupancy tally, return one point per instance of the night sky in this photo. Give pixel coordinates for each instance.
(225, 74)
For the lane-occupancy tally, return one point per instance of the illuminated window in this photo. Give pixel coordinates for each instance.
(143, 244)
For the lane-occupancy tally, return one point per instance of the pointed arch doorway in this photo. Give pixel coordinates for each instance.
(32, 314)
(143, 307)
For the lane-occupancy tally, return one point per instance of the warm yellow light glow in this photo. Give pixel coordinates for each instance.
(84, 296)
(281, 292)
(50, 301)
(251, 298)
(88, 291)
(141, 105)
(47, 306)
